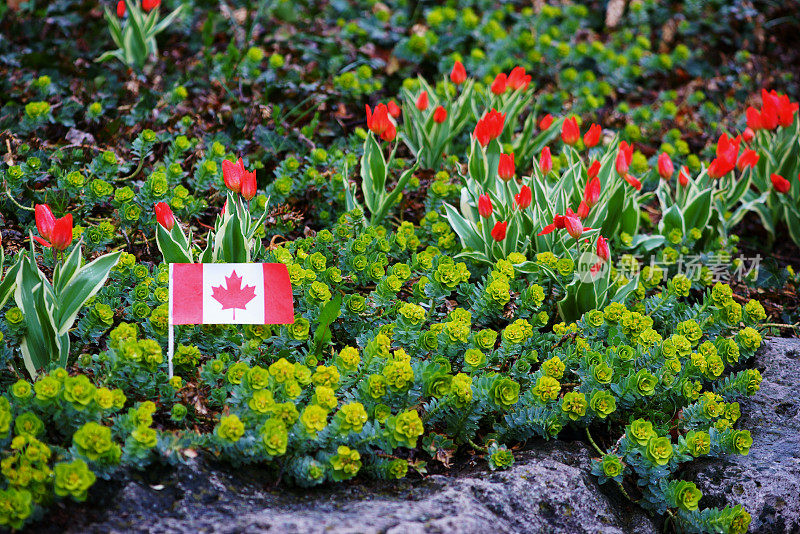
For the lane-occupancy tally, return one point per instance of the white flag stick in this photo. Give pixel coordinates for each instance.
(171, 334)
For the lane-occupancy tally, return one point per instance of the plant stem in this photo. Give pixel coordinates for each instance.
(589, 436)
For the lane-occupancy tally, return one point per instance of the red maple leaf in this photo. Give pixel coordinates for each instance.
(234, 296)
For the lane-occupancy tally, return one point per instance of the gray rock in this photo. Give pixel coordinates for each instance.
(549, 488)
(766, 481)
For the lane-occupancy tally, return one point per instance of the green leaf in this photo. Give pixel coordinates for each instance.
(467, 232)
(84, 285)
(9, 281)
(171, 250)
(330, 312)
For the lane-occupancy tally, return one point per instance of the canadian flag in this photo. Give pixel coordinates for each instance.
(230, 293)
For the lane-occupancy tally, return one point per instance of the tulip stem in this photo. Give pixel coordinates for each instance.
(14, 201)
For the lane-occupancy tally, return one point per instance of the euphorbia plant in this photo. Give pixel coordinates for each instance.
(51, 307)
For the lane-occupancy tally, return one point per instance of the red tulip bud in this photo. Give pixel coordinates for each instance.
(121, 8)
(780, 183)
(458, 75)
(545, 122)
(45, 220)
(574, 226)
(749, 158)
(499, 230)
(394, 109)
(592, 136)
(591, 193)
(594, 169)
(249, 185)
(232, 174)
(603, 250)
(164, 215)
(683, 176)
(524, 197)
(505, 168)
(665, 167)
(583, 210)
(570, 133)
(439, 115)
(546, 161)
(748, 134)
(149, 5)
(422, 101)
(499, 84)
(485, 206)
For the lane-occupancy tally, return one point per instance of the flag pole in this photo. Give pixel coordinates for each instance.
(171, 327)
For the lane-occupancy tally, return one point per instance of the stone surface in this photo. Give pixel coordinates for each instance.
(549, 488)
(766, 481)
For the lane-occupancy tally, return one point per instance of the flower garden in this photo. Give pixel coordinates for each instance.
(502, 222)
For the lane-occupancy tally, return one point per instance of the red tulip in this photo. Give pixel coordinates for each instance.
(727, 153)
(56, 233)
(249, 185)
(439, 115)
(524, 197)
(505, 168)
(591, 193)
(632, 180)
(769, 110)
(574, 226)
(560, 222)
(517, 79)
(485, 206)
(592, 136)
(780, 183)
(458, 75)
(545, 122)
(378, 121)
(603, 250)
(546, 161)
(62, 232)
(665, 167)
(570, 133)
(389, 133)
(624, 157)
(422, 101)
(683, 176)
(499, 230)
(786, 110)
(121, 8)
(594, 169)
(749, 158)
(489, 127)
(499, 84)
(164, 215)
(583, 210)
(45, 220)
(753, 118)
(748, 134)
(232, 174)
(149, 5)
(394, 109)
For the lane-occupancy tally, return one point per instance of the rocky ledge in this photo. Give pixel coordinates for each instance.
(549, 488)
